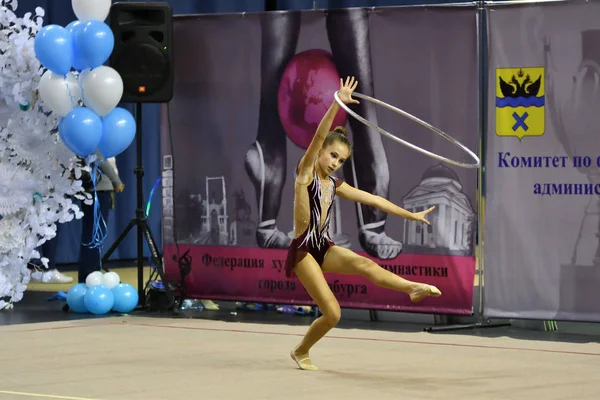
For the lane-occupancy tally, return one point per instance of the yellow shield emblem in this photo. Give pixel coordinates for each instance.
(520, 102)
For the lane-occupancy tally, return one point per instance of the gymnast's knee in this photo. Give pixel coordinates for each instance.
(332, 314)
(369, 269)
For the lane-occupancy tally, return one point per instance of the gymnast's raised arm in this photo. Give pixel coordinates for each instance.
(360, 196)
(307, 162)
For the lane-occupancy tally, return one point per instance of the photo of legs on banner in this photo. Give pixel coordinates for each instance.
(348, 35)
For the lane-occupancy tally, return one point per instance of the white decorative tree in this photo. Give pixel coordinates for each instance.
(39, 176)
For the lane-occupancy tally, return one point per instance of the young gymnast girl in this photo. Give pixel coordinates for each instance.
(312, 252)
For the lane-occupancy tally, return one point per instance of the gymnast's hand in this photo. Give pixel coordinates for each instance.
(420, 216)
(346, 90)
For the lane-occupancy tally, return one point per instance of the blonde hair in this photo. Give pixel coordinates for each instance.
(339, 134)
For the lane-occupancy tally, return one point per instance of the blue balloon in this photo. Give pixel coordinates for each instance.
(75, 298)
(81, 131)
(99, 299)
(53, 46)
(78, 60)
(72, 25)
(126, 298)
(93, 43)
(118, 131)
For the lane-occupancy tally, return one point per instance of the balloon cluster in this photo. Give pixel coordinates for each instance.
(79, 88)
(102, 293)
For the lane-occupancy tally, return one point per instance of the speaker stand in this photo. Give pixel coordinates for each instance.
(143, 229)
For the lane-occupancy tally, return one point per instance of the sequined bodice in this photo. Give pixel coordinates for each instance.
(312, 203)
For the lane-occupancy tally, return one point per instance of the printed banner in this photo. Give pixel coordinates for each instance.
(250, 90)
(542, 242)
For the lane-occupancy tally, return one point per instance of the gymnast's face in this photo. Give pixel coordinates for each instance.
(333, 156)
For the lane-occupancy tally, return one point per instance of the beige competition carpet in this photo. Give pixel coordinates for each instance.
(134, 357)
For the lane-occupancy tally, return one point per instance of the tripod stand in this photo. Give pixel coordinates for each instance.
(143, 228)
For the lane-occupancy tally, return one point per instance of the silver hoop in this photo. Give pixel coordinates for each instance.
(407, 144)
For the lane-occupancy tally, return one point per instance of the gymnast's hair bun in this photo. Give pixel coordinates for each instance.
(341, 129)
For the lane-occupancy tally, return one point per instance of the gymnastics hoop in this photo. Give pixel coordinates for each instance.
(407, 144)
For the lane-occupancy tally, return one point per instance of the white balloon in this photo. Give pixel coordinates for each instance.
(110, 279)
(87, 10)
(94, 279)
(102, 90)
(83, 75)
(58, 93)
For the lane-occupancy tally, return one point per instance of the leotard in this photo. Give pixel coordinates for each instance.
(311, 224)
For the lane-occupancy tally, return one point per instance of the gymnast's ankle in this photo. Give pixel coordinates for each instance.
(303, 360)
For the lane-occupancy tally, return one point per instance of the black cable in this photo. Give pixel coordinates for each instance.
(184, 262)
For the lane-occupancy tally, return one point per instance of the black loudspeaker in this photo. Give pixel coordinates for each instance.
(143, 52)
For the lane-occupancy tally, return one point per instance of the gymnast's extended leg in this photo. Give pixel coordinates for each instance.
(348, 31)
(311, 277)
(344, 261)
(266, 159)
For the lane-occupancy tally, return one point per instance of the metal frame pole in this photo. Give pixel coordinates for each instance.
(482, 61)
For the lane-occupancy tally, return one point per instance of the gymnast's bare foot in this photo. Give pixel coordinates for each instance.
(267, 174)
(423, 290)
(303, 361)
